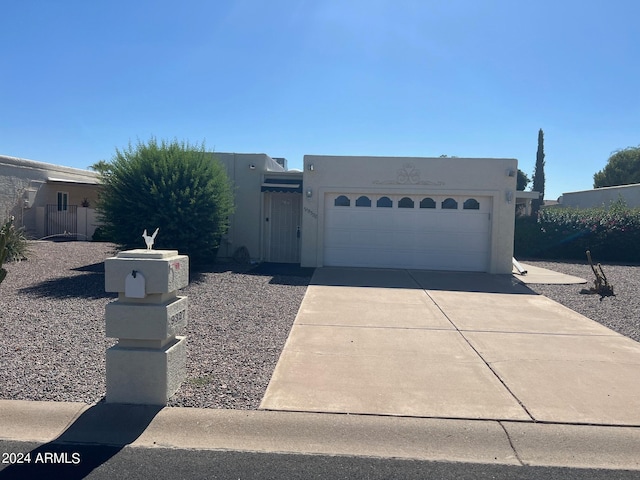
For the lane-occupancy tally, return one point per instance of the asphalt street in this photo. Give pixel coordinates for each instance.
(99, 462)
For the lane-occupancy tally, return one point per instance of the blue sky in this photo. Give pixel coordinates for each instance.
(470, 78)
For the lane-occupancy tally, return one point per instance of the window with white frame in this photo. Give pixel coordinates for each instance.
(63, 201)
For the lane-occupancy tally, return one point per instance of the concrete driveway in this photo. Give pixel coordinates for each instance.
(451, 345)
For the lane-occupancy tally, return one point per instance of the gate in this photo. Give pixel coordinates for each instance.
(283, 228)
(62, 221)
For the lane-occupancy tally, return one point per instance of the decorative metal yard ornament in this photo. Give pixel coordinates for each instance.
(601, 285)
(149, 239)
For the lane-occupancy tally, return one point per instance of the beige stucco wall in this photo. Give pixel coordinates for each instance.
(87, 223)
(602, 196)
(437, 176)
(246, 172)
(77, 193)
(26, 185)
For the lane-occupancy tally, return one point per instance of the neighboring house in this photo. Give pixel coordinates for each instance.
(388, 212)
(604, 196)
(523, 201)
(48, 199)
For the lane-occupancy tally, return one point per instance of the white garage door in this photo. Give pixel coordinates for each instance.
(437, 232)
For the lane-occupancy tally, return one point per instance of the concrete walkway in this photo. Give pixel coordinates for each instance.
(451, 345)
(538, 275)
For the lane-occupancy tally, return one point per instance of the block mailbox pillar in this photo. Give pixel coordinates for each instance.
(148, 363)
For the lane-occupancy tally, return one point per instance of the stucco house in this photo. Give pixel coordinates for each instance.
(604, 196)
(256, 180)
(48, 199)
(388, 212)
(524, 200)
(431, 213)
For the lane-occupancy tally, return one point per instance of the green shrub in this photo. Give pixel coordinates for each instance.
(3, 255)
(612, 234)
(16, 245)
(99, 235)
(174, 186)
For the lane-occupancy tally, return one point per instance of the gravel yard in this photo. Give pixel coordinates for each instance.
(53, 341)
(53, 336)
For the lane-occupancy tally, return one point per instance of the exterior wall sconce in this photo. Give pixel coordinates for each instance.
(311, 167)
(511, 172)
(509, 196)
(309, 193)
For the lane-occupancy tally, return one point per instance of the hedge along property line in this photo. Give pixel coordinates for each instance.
(612, 234)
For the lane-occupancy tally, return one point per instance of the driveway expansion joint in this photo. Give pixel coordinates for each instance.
(488, 365)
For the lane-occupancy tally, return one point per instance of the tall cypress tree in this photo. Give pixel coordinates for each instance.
(538, 175)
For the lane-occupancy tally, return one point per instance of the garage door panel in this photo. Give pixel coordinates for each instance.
(429, 221)
(403, 257)
(362, 217)
(340, 237)
(462, 243)
(366, 238)
(434, 241)
(377, 238)
(359, 258)
(460, 222)
(408, 238)
(475, 223)
(340, 218)
(405, 240)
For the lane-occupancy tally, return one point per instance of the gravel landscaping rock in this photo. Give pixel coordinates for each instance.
(53, 331)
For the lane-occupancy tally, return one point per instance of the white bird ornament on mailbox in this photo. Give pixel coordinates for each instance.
(149, 239)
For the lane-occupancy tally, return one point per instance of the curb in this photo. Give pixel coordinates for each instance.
(431, 439)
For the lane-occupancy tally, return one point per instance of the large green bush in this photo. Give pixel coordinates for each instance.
(171, 185)
(612, 234)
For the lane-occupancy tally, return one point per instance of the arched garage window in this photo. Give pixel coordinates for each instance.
(427, 203)
(450, 204)
(384, 202)
(471, 204)
(405, 202)
(342, 201)
(363, 201)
